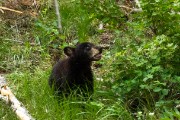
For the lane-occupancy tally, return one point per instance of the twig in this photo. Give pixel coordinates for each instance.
(8, 97)
(58, 16)
(5, 8)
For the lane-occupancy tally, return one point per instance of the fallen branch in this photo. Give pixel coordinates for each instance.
(8, 97)
(5, 8)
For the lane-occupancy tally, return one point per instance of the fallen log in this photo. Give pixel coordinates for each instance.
(7, 95)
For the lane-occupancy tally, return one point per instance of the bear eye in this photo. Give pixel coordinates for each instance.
(88, 48)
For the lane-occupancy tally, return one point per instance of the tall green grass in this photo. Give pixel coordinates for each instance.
(6, 112)
(33, 91)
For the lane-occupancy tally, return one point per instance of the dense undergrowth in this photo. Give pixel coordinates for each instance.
(139, 77)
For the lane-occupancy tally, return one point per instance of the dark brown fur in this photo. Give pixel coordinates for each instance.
(74, 73)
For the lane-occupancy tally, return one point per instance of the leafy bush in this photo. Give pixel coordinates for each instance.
(147, 71)
(107, 11)
(161, 16)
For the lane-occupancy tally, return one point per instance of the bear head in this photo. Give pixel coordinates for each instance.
(84, 52)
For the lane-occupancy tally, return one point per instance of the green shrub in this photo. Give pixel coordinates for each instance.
(162, 16)
(107, 11)
(147, 71)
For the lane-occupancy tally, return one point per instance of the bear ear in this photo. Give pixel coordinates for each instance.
(69, 51)
(78, 43)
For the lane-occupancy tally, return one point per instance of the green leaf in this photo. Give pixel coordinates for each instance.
(157, 89)
(97, 104)
(165, 91)
(144, 86)
(149, 76)
(106, 19)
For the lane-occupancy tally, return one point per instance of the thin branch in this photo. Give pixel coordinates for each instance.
(58, 16)
(5, 8)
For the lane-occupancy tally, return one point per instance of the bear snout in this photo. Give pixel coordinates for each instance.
(96, 53)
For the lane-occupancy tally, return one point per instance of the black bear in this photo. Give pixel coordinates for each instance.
(74, 73)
